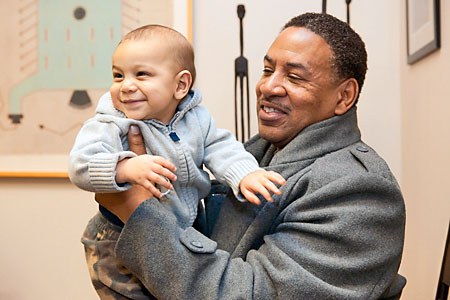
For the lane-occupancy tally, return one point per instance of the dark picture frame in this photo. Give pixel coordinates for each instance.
(423, 28)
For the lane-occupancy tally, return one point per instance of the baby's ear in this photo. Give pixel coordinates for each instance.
(184, 81)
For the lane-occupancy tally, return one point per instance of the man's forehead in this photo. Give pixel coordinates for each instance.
(296, 39)
(298, 47)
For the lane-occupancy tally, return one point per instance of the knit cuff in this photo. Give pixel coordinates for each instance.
(236, 172)
(102, 174)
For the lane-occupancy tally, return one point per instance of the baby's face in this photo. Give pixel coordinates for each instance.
(144, 80)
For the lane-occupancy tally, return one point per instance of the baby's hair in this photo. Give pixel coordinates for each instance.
(182, 51)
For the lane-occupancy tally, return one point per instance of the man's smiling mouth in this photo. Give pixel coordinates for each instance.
(273, 107)
(269, 109)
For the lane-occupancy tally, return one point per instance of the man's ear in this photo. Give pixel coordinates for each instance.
(347, 95)
(184, 81)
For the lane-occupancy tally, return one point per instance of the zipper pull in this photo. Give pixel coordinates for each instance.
(173, 135)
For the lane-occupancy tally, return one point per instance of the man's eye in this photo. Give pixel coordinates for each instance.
(267, 71)
(295, 77)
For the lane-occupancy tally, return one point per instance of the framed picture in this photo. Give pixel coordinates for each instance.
(423, 32)
(56, 62)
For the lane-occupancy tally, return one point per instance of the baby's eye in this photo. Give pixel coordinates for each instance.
(142, 73)
(117, 75)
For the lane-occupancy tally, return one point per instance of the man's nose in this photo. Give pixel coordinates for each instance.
(273, 85)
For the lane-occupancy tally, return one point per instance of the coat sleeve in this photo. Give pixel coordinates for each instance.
(223, 154)
(94, 156)
(341, 240)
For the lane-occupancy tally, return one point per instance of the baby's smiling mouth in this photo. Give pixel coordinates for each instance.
(131, 100)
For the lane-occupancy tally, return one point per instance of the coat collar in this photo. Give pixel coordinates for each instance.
(314, 141)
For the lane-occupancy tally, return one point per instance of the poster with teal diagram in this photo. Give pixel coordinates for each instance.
(56, 62)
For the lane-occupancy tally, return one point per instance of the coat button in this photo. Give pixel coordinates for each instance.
(362, 149)
(197, 244)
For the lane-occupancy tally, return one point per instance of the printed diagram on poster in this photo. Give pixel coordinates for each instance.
(56, 61)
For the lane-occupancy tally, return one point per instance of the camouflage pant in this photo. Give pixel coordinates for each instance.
(111, 280)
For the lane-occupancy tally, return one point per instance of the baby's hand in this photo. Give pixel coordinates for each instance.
(147, 171)
(261, 182)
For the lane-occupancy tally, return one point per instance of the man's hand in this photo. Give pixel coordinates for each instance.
(123, 204)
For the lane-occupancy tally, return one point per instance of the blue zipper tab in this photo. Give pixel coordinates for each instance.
(173, 135)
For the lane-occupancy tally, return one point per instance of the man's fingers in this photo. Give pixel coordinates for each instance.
(136, 140)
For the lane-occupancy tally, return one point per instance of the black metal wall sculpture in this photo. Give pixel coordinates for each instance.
(242, 119)
(348, 10)
(347, 2)
(324, 6)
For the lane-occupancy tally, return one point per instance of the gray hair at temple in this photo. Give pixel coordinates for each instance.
(349, 52)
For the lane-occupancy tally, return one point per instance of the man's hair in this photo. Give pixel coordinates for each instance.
(180, 48)
(349, 52)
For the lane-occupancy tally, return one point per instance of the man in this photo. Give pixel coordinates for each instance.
(337, 230)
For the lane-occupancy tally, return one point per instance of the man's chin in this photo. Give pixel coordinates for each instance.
(268, 133)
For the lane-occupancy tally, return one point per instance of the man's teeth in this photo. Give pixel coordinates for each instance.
(268, 109)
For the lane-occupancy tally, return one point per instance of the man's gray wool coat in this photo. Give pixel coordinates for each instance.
(336, 232)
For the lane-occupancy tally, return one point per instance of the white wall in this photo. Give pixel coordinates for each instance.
(41, 256)
(426, 163)
(216, 41)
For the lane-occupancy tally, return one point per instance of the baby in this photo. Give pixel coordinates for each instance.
(153, 73)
